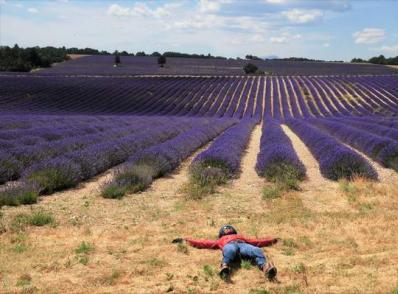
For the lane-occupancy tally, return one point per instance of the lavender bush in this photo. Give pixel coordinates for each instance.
(17, 194)
(53, 175)
(10, 168)
(226, 151)
(161, 159)
(335, 160)
(277, 160)
(381, 149)
(374, 128)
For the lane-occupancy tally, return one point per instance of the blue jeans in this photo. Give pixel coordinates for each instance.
(247, 251)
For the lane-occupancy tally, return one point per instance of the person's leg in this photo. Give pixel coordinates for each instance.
(256, 254)
(229, 253)
(253, 253)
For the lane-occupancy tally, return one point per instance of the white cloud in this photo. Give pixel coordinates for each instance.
(141, 9)
(284, 38)
(258, 38)
(278, 40)
(326, 45)
(218, 22)
(369, 36)
(33, 10)
(393, 49)
(302, 16)
(2, 2)
(211, 6)
(275, 1)
(117, 10)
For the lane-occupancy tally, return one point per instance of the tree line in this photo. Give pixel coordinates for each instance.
(381, 59)
(26, 59)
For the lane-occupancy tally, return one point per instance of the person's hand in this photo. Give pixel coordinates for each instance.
(177, 240)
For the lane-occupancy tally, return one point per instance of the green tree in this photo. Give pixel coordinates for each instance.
(161, 60)
(250, 68)
(117, 59)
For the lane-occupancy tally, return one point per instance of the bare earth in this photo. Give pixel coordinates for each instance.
(76, 56)
(332, 241)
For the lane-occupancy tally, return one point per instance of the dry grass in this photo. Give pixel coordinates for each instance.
(337, 238)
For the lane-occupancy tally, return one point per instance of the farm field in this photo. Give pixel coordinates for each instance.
(220, 96)
(145, 65)
(310, 159)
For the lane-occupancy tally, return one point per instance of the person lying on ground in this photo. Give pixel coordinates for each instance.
(234, 245)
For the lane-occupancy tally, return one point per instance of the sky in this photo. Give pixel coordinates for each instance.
(318, 29)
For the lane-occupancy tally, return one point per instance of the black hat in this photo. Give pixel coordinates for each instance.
(226, 230)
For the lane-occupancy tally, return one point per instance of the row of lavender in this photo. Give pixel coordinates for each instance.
(238, 97)
(65, 164)
(21, 147)
(58, 164)
(221, 161)
(103, 65)
(142, 168)
(277, 160)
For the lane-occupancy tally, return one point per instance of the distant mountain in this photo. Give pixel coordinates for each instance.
(271, 57)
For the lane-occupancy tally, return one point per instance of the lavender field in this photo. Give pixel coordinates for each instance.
(146, 65)
(218, 96)
(57, 131)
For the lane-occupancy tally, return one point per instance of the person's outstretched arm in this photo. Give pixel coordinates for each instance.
(208, 244)
(262, 242)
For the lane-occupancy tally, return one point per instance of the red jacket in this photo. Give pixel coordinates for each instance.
(220, 243)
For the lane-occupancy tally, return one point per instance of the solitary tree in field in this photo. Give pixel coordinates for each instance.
(161, 60)
(117, 59)
(250, 68)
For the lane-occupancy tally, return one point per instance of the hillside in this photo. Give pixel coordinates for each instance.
(145, 65)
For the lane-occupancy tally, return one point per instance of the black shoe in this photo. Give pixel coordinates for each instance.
(225, 272)
(270, 271)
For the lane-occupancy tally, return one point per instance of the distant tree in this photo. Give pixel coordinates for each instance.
(252, 57)
(187, 55)
(161, 60)
(250, 68)
(117, 59)
(25, 59)
(156, 54)
(33, 56)
(378, 60)
(141, 53)
(124, 53)
(357, 60)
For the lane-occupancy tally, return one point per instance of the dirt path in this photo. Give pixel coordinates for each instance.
(319, 194)
(249, 182)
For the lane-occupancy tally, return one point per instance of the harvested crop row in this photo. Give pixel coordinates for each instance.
(335, 160)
